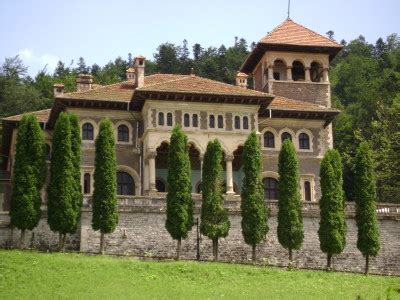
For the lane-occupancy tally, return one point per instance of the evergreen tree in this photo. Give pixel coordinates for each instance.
(290, 222)
(179, 198)
(214, 217)
(365, 196)
(62, 216)
(332, 224)
(29, 176)
(105, 204)
(254, 216)
(76, 162)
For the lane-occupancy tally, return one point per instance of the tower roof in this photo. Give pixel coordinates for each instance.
(291, 36)
(291, 33)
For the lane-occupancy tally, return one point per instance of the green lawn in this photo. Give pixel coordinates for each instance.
(41, 275)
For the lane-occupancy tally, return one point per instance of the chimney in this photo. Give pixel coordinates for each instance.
(58, 89)
(241, 80)
(84, 82)
(130, 74)
(139, 71)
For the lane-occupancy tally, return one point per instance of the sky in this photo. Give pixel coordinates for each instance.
(45, 31)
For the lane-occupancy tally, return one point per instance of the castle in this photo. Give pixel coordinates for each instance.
(290, 99)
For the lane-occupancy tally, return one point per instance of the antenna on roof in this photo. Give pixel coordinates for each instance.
(288, 10)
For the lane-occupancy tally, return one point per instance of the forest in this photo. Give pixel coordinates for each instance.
(365, 81)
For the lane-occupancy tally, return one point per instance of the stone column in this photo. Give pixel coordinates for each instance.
(325, 75)
(289, 73)
(270, 72)
(146, 176)
(201, 157)
(307, 74)
(229, 174)
(152, 170)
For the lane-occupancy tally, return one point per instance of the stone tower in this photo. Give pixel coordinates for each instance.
(293, 61)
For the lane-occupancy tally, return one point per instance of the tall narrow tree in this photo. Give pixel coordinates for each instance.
(365, 196)
(332, 224)
(179, 198)
(214, 217)
(290, 221)
(254, 216)
(61, 212)
(76, 162)
(28, 176)
(105, 205)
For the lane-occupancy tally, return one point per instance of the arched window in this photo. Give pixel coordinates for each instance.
(245, 122)
(87, 132)
(123, 133)
(304, 141)
(298, 71)
(279, 70)
(316, 72)
(237, 122)
(270, 188)
(285, 136)
(307, 191)
(86, 183)
(220, 121)
(161, 119)
(195, 120)
(169, 119)
(269, 139)
(212, 121)
(186, 120)
(125, 184)
(47, 152)
(160, 186)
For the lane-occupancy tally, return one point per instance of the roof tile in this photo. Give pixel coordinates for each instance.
(41, 115)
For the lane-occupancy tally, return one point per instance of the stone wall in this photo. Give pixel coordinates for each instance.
(141, 231)
(317, 93)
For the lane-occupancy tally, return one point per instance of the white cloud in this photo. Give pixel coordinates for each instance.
(38, 62)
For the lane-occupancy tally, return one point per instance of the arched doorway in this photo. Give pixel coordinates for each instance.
(125, 184)
(271, 191)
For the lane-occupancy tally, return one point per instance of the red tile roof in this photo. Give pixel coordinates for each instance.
(123, 91)
(41, 115)
(283, 103)
(291, 33)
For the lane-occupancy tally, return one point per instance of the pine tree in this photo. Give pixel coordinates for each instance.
(214, 217)
(290, 222)
(254, 216)
(179, 199)
(28, 176)
(105, 204)
(332, 224)
(365, 196)
(76, 162)
(62, 216)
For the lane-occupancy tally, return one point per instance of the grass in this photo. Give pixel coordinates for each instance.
(26, 274)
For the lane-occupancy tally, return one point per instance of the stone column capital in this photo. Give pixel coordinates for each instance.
(289, 67)
(307, 68)
(229, 157)
(151, 154)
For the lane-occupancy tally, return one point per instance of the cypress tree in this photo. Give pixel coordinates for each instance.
(76, 162)
(290, 222)
(105, 204)
(214, 217)
(28, 176)
(365, 196)
(179, 198)
(62, 216)
(254, 216)
(332, 224)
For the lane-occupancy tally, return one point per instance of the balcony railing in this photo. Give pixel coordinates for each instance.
(158, 203)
